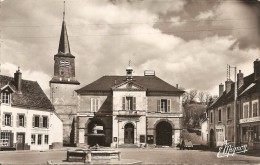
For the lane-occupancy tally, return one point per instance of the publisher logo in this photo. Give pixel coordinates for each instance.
(229, 150)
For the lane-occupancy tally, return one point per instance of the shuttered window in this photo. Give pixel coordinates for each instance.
(123, 103)
(164, 105)
(219, 115)
(36, 121)
(45, 121)
(129, 103)
(21, 120)
(245, 111)
(94, 104)
(254, 107)
(134, 103)
(7, 119)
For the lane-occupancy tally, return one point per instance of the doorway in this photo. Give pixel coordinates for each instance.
(164, 134)
(129, 134)
(20, 141)
(211, 139)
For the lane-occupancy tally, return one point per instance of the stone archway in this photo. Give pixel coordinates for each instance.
(129, 130)
(95, 132)
(164, 133)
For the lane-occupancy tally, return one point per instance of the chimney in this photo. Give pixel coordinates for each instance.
(18, 80)
(257, 69)
(240, 79)
(177, 86)
(228, 85)
(221, 89)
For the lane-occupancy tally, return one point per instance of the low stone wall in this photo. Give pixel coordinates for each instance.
(100, 154)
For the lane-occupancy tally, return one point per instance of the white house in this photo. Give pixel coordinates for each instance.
(28, 121)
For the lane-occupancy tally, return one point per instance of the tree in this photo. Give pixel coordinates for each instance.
(201, 96)
(192, 95)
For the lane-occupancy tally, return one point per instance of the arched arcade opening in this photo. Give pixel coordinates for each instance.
(164, 134)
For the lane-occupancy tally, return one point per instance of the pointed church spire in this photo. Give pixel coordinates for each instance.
(64, 45)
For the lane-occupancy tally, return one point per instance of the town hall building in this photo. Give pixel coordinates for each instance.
(114, 110)
(129, 110)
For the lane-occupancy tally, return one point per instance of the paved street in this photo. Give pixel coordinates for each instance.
(147, 156)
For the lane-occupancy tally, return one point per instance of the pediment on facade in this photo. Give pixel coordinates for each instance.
(128, 86)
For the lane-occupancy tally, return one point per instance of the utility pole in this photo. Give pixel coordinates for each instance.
(0, 36)
(235, 105)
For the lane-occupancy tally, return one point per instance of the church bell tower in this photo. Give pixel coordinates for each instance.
(63, 85)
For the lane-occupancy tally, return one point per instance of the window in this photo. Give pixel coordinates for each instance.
(256, 132)
(244, 134)
(164, 105)
(245, 111)
(94, 104)
(254, 107)
(64, 63)
(211, 117)
(21, 121)
(7, 119)
(228, 113)
(46, 139)
(6, 98)
(36, 121)
(45, 122)
(33, 139)
(219, 115)
(5, 139)
(129, 103)
(39, 139)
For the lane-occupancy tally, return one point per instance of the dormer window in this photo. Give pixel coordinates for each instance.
(5, 97)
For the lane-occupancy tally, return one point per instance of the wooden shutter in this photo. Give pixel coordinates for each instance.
(169, 105)
(92, 105)
(41, 121)
(96, 105)
(134, 103)
(47, 122)
(159, 105)
(11, 142)
(33, 121)
(17, 120)
(11, 124)
(123, 103)
(25, 121)
(3, 120)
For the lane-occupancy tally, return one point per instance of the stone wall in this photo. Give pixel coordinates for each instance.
(64, 99)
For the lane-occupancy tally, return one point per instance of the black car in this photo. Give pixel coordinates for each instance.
(186, 144)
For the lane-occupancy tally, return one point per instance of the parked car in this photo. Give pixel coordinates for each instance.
(186, 144)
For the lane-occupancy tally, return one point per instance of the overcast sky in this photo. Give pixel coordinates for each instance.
(186, 42)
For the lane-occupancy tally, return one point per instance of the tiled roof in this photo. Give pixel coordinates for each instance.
(246, 88)
(151, 83)
(32, 95)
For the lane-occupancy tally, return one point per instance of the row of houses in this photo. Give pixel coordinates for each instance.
(235, 115)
